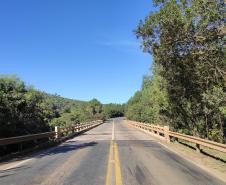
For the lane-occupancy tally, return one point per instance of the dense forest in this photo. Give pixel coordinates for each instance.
(25, 110)
(187, 88)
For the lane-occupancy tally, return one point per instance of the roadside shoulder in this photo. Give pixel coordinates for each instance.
(209, 164)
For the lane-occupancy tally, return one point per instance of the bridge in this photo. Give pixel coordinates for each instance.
(116, 152)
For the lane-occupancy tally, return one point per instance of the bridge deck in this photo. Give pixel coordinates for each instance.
(86, 160)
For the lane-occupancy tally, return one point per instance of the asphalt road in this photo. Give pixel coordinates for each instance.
(112, 153)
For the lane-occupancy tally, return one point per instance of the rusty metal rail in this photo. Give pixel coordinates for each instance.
(166, 134)
(56, 135)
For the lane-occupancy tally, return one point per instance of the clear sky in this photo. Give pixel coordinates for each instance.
(78, 49)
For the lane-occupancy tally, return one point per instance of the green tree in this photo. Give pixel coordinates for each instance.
(113, 110)
(94, 107)
(187, 41)
(150, 103)
(21, 109)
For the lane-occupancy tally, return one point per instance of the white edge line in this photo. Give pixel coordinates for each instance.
(113, 131)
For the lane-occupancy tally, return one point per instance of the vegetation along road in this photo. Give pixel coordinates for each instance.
(112, 153)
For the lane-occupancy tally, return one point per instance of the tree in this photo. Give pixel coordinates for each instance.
(21, 109)
(25, 110)
(149, 104)
(113, 110)
(94, 107)
(186, 39)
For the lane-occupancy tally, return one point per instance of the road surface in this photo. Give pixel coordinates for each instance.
(112, 153)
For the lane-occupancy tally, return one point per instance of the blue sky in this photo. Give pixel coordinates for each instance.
(78, 49)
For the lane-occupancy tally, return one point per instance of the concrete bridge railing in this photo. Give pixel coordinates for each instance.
(166, 134)
(59, 134)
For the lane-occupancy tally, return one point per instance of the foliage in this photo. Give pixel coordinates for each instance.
(76, 116)
(187, 41)
(21, 109)
(25, 110)
(113, 110)
(149, 104)
(94, 107)
(87, 111)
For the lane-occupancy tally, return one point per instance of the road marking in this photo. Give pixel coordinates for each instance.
(118, 176)
(113, 161)
(113, 131)
(110, 163)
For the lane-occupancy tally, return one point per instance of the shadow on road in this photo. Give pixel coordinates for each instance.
(203, 152)
(66, 147)
(11, 171)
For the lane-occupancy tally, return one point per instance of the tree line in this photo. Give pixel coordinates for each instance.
(187, 88)
(26, 110)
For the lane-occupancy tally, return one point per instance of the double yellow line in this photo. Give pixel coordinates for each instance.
(113, 163)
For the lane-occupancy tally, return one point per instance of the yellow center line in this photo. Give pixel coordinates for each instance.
(118, 176)
(109, 168)
(113, 160)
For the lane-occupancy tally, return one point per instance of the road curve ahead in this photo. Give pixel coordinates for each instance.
(112, 153)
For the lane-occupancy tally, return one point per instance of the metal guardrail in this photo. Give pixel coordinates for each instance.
(57, 134)
(165, 133)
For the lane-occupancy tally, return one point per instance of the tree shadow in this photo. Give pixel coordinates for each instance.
(12, 171)
(65, 148)
(203, 152)
(187, 145)
(2, 176)
(212, 156)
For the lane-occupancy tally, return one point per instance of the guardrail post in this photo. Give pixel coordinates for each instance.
(157, 132)
(166, 133)
(197, 147)
(57, 132)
